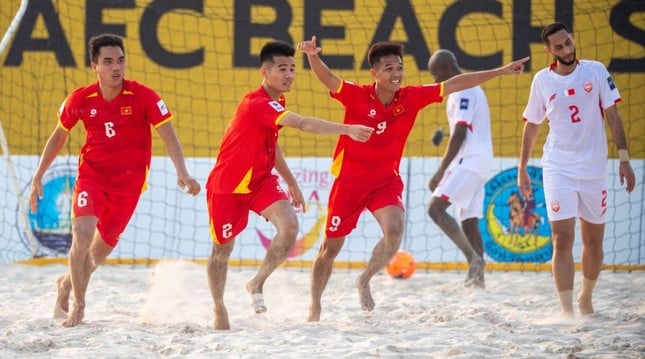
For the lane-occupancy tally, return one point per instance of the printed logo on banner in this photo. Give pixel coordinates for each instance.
(51, 225)
(515, 229)
(313, 184)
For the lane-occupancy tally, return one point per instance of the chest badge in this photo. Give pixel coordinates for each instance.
(587, 86)
(126, 110)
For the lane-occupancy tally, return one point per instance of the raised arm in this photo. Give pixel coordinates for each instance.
(471, 79)
(625, 170)
(55, 142)
(185, 181)
(321, 70)
(315, 125)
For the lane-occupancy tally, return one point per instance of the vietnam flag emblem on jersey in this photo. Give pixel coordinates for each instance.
(126, 110)
(569, 92)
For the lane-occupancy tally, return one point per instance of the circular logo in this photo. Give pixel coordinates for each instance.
(51, 226)
(515, 229)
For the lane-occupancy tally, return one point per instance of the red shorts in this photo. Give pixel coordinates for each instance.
(113, 211)
(229, 213)
(347, 202)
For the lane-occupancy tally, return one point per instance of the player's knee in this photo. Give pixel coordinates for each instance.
(330, 248)
(435, 211)
(288, 229)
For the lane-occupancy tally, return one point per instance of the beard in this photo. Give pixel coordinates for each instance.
(565, 62)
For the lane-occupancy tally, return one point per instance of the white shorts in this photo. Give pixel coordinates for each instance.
(465, 190)
(567, 197)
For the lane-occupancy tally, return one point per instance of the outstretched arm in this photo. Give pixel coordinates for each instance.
(55, 142)
(315, 125)
(321, 70)
(185, 181)
(464, 81)
(625, 170)
(297, 199)
(529, 136)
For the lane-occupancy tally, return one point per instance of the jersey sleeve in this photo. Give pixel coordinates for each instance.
(67, 113)
(535, 110)
(347, 92)
(269, 112)
(157, 112)
(609, 95)
(466, 101)
(425, 95)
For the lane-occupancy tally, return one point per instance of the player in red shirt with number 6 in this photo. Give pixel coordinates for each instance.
(112, 167)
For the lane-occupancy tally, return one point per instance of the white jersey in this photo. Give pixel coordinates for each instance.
(574, 105)
(470, 107)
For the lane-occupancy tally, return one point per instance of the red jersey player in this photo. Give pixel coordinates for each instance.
(112, 166)
(242, 178)
(367, 174)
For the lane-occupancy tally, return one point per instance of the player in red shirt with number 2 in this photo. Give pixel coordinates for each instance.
(242, 178)
(367, 174)
(112, 166)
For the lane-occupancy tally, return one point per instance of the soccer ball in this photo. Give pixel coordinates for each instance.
(401, 265)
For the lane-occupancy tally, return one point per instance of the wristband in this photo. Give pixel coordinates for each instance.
(623, 155)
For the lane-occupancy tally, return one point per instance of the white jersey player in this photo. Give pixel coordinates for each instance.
(465, 166)
(575, 97)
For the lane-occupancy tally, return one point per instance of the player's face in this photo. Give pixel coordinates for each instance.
(110, 66)
(562, 47)
(280, 74)
(388, 72)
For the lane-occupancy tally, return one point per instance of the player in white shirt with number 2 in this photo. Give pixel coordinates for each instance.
(575, 97)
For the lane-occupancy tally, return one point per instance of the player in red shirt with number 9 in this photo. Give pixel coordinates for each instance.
(367, 174)
(112, 167)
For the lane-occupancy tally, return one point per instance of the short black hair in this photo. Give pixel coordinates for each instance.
(552, 29)
(381, 49)
(98, 41)
(275, 48)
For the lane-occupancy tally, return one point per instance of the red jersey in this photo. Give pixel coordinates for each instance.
(117, 150)
(379, 157)
(247, 152)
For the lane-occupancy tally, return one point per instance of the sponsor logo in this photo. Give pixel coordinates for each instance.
(276, 106)
(515, 229)
(463, 104)
(162, 108)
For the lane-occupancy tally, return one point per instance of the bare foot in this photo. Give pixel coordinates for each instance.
(75, 317)
(475, 276)
(257, 298)
(314, 313)
(63, 287)
(221, 318)
(365, 295)
(585, 306)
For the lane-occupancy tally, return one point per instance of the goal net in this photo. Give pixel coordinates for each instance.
(202, 57)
